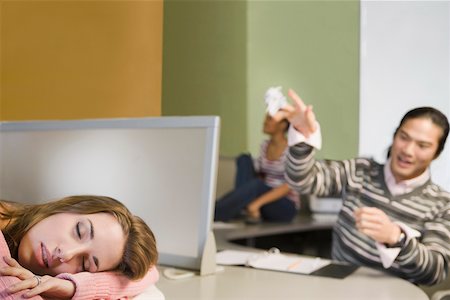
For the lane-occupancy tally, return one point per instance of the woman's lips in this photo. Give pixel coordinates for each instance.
(45, 255)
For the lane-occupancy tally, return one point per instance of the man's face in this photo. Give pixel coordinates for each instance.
(414, 148)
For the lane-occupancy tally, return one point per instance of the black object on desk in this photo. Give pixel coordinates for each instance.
(335, 270)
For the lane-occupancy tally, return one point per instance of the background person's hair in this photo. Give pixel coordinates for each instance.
(286, 123)
(436, 117)
(140, 251)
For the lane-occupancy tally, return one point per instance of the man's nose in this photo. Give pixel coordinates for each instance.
(409, 148)
(68, 253)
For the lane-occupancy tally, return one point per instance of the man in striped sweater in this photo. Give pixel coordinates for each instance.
(394, 217)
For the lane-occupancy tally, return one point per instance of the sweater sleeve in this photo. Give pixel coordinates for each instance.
(108, 285)
(6, 281)
(318, 177)
(426, 260)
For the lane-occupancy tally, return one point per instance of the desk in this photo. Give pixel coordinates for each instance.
(240, 283)
(284, 236)
(299, 224)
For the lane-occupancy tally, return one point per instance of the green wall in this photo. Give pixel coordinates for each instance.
(204, 65)
(312, 47)
(221, 56)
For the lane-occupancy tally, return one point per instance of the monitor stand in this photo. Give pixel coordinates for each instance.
(208, 263)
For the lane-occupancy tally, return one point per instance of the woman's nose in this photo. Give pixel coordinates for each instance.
(66, 254)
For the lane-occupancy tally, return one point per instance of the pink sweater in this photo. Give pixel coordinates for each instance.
(108, 285)
(89, 286)
(6, 281)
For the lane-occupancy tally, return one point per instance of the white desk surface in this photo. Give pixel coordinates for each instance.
(240, 283)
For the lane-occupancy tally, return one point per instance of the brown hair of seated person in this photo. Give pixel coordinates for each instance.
(140, 252)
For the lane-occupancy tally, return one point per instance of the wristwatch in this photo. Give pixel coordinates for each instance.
(400, 242)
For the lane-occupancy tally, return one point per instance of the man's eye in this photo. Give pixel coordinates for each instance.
(404, 137)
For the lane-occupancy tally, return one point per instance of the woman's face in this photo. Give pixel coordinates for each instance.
(72, 243)
(272, 125)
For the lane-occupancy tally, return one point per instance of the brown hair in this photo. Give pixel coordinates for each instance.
(140, 249)
(436, 117)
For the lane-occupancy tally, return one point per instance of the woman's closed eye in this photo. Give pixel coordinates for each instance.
(79, 230)
(85, 264)
(84, 230)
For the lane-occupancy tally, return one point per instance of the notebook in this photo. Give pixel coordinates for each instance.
(291, 263)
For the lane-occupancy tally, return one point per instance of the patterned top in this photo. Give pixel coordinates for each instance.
(6, 281)
(360, 182)
(273, 171)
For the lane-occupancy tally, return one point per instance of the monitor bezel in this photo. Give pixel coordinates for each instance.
(210, 165)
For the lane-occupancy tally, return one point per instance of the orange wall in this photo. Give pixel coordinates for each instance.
(80, 59)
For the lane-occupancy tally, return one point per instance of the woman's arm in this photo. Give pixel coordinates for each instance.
(8, 281)
(80, 286)
(10, 285)
(108, 285)
(273, 195)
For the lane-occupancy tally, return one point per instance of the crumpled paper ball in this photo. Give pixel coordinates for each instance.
(275, 100)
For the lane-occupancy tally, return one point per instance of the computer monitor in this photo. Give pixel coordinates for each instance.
(163, 169)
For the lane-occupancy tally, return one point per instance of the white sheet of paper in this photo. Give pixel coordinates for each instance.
(271, 261)
(289, 263)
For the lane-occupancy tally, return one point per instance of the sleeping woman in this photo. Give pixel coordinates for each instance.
(79, 247)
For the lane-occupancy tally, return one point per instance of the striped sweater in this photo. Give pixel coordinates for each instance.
(360, 182)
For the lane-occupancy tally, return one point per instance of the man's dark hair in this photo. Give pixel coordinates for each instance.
(436, 117)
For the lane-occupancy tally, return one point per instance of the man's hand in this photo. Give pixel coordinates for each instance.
(300, 115)
(376, 224)
(46, 286)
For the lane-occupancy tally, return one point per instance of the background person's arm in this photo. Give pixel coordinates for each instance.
(273, 195)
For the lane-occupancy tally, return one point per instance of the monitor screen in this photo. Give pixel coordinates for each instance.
(163, 169)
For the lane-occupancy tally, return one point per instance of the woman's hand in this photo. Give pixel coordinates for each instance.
(376, 224)
(301, 116)
(47, 286)
(254, 210)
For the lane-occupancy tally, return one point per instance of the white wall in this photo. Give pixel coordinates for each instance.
(405, 63)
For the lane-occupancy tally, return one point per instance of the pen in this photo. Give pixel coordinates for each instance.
(294, 264)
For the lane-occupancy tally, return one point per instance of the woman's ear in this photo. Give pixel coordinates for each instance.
(285, 123)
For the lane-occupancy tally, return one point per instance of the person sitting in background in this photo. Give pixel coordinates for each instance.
(260, 187)
(79, 247)
(393, 217)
